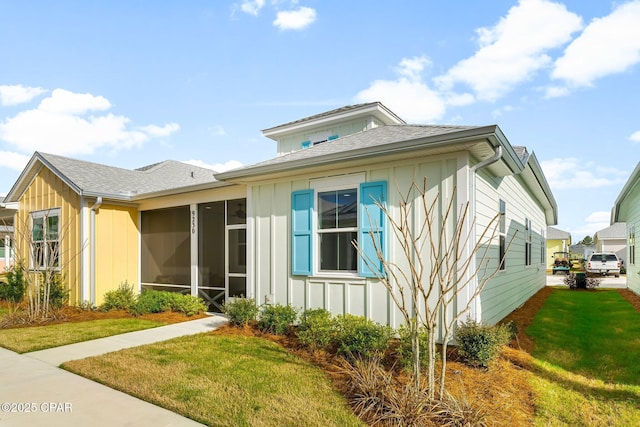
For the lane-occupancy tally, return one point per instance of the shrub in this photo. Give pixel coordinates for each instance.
(405, 350)
(359, 337)
(58, 292)
(15, 288)
(316, 328)
(188, 304)
(479, 344)
(151, 301)
(581, 281)
(241, 311)
(122, 298)
(277, 319)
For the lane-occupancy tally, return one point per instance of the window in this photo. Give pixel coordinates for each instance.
(337, 228)
(329, 217)
(45, 239)
(527, 243)
(502, 233)
(632, 244)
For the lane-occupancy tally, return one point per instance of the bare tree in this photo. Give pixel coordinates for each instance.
(442, 256)
(37, 250)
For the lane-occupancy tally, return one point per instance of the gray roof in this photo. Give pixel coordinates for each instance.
(616, 231)
(556, 234)
(95, 179)
(375, 137)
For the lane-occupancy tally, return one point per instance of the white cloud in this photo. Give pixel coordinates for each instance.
(635, 136)
(15, 161)
(556, 92)
(608, 45)
(514, 49)
(61, 125)
(18, 94)
(572, 173)
(217, 130)
(593, 223)
(218, 167)
(298, 19)
(499, 111)
(408, 96)
(252, 7)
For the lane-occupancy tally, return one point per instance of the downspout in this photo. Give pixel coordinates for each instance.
(473, 170)
(92, 250)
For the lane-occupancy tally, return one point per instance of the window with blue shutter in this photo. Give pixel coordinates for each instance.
(372, 226)
(301, 232)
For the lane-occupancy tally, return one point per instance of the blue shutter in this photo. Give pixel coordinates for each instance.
(373, 225)
(301, 243)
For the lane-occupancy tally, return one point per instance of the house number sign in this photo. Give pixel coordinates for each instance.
(193, 222)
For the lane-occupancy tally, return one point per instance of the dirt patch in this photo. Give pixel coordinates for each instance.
(633, 298)
(523, 317)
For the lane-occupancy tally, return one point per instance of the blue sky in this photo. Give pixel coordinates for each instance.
(133, 83)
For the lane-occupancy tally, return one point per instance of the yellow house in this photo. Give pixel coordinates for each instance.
(85, 220)
(557, 241)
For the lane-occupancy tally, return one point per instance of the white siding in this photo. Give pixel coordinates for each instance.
(632, 206)
(512, 286)
(271, 204)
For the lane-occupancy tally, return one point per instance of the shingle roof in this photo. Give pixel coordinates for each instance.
(102, 179)
(555, 234)
(616, 231)
(376, 137)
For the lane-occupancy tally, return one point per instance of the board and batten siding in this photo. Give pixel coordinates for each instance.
(514, 285)
(46, 191)
(116, 259)
(632, 207)
(270, 205)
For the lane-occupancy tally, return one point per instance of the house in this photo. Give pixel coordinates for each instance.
(280, 231)
(613, 239)
(627, 209)
(557, 241)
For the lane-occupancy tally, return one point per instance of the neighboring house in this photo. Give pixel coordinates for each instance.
(627, 209)
(580, 251)
(613, 239)
(557, 241)
(102, 226)
(7, 212)
(280, 231)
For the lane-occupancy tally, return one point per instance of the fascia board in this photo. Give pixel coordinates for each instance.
(486, 132)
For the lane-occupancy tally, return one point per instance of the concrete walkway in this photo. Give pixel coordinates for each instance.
(35, 392)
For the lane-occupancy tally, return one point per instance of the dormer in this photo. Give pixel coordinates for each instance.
(331, 125)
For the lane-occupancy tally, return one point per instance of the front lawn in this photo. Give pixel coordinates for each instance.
(223, 380)
(585, 360)
(23, 340)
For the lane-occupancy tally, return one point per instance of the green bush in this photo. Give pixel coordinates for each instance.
(360, 338)
(122, 298)
(316, 328)
(15, 288)
(151, 301)
(241, 311)
(188, 304)
(58, 292)
(405, 351)
(277, 319)
(480, 344)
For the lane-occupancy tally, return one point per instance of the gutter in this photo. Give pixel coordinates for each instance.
(473, 171)
(92, 250)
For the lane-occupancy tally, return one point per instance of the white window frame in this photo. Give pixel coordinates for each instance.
(502, 235)
(318, 186)
(527, 242)
(44, 214)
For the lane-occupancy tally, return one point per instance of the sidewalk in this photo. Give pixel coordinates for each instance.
(35, 392)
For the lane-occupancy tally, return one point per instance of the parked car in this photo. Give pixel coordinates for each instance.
(600, 263)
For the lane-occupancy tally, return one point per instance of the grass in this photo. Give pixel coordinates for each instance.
(23, 340)
(586, 370)
(223, 380)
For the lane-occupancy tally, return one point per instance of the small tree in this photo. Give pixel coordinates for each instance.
(440, 258)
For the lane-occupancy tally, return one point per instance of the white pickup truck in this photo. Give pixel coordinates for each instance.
(603, 264)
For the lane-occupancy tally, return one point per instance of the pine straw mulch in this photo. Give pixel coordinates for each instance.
(69, 314)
